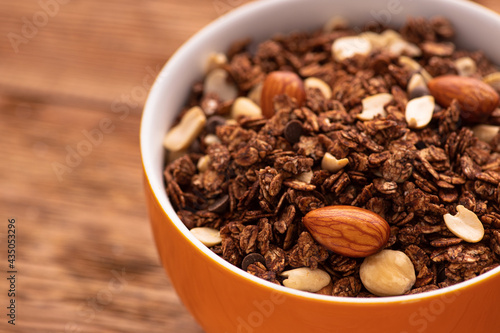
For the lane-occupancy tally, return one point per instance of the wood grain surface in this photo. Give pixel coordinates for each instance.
(73, 80)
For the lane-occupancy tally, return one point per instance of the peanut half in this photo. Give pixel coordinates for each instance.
(306, 279)
(387, 273)
(183, 134)
(208, 236)
(374, 106)
(245, 107)
(465, 225)
(330, 163)
(419, 111)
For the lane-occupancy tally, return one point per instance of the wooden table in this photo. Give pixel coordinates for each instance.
(73, 80)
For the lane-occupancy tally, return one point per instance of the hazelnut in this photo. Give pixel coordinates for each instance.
(387, 273)
(279, 83)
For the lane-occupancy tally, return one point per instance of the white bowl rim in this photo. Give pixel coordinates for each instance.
(159, 192)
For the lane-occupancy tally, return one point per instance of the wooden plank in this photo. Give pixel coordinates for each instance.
(77, 234)
(92, 49)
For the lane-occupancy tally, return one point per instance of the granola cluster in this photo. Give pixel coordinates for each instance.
(264, 175)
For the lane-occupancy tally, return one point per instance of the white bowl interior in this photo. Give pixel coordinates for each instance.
(475, 26)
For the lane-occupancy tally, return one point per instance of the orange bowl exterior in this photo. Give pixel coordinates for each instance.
(223, 298)
(223, 301)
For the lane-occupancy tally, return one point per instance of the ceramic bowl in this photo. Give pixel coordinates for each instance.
(225, 299)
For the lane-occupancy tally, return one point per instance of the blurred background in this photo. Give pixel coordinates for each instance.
(74, 76)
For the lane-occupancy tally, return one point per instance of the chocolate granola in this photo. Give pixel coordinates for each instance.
(254, 179)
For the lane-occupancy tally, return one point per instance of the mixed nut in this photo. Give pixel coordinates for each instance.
(344, 163)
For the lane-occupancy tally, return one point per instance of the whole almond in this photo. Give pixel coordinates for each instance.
(477, 99)
(348, 230)
(279, 83)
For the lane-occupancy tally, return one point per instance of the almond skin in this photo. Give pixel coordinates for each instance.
(477, 99)
(348, 230)
(278, 83)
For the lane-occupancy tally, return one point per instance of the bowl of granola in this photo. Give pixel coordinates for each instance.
(331, 166)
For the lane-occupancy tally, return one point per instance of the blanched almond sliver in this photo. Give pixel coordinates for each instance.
(371, 114)
(208, 236)
(376, 101)
(306, 279)
(347, 47)
(465, 224)
(374, 106)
